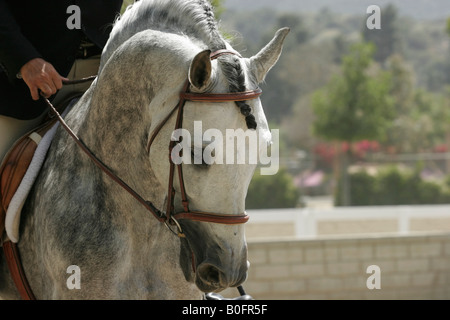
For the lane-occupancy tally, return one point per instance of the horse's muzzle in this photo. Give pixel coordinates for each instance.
(211, 278)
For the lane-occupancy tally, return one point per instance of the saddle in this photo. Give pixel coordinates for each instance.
(15, 165)
(17, 162)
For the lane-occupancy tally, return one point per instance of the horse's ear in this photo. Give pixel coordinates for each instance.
(200, 70)
(261, 63)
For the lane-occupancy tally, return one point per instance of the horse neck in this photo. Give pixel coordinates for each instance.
(137, 87)
(115, 124)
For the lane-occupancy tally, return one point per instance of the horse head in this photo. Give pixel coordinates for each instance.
(218, 137)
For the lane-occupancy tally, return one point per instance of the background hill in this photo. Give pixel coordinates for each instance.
(417, 9)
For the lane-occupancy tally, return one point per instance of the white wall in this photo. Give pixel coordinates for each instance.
(411, 267)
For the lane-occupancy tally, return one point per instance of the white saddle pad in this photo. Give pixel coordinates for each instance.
(12, 220)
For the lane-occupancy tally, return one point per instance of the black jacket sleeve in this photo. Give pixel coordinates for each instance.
(98, 17)
(15, 49)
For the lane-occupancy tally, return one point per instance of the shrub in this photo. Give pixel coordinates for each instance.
(393, 186)
(362, 190)
(276, 191)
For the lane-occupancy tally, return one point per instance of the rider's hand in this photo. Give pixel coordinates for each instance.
(39, 74)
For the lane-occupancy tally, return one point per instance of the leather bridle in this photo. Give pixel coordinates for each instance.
(170, 218)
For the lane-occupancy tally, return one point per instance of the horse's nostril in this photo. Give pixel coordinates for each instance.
(211, 278)
(210, 274)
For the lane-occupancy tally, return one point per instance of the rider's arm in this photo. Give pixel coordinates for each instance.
(19, 58)
(15, 49)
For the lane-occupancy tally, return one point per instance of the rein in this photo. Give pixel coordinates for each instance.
(148, 205)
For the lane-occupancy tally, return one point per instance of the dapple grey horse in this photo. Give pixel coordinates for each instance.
(77, 216)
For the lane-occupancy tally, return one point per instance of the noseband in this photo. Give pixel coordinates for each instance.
(170, 218)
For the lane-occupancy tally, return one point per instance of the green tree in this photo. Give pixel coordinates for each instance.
(421, 118)
(399, 134)
(354, 105)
